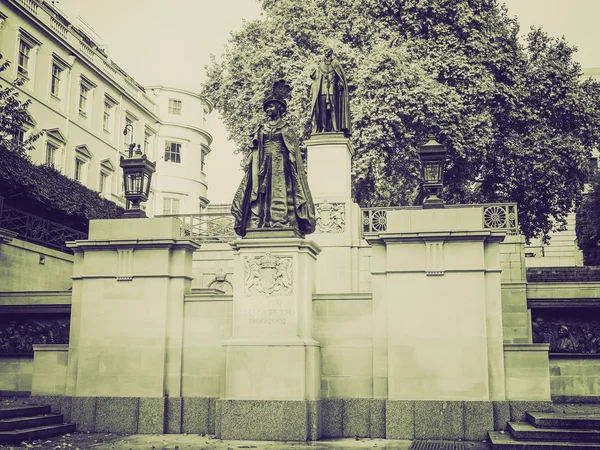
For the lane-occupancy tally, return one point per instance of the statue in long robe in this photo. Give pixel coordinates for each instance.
(329, 97)
(274, 192)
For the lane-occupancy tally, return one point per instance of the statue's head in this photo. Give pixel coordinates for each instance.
(279, 105)
(328, 52)
(563, 331)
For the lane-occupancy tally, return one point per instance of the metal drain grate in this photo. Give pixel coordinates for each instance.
(437, 445)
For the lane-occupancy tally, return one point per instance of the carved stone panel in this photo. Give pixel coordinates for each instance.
(267, 275)
(330, 217)
(567, 331)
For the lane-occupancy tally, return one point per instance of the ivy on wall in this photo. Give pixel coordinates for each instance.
(44, 191)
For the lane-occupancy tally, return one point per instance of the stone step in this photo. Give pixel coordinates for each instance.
(14, 423)
(503, 441)
(25, 434)
(523, 431)
(23, 411)
(564, 420)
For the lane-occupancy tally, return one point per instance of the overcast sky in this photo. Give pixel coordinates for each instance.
(169, 43)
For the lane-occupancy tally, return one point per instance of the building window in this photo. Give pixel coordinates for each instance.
(106, 119)
(24, 52)
(79, 169)
(83, 97)
(55, 82)
(170, 205)
(202, 160)
(20, 136)
(173, 152)
(147, 137)
(103, 182)
(51, 150)
(174, 107)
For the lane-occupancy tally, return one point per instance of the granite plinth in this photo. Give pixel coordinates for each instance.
(152, 415)
(117, 415)
(400, 419)
(501, 414)
(83, 413)
(195, 415)
(479, 419)
(438, 419)
(174, 414)
(268, 420)
(333, 413)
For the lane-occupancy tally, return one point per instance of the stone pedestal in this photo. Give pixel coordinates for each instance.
(129, 282)
(437, 292)
(272, 361)
(339, 219)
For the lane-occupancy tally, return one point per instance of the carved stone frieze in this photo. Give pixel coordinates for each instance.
(267, 275)
(570, 332)
(330, 217)
(220, 282)
(19, 336)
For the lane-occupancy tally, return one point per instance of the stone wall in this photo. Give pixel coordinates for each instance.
(30, 267)
(575, 376)
(16, 373)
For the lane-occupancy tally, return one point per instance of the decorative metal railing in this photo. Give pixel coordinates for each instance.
(496, 216)
(208, 227)
(36, 229)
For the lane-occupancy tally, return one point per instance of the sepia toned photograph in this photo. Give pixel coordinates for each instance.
(299, 224)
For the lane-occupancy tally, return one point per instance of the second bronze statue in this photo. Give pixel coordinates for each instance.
(329, 97)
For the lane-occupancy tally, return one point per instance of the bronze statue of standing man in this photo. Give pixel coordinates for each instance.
(329, 97)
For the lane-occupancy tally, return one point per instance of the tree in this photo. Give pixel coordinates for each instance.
(14, 116)
(517, 121)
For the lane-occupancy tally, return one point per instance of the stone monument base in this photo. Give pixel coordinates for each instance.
(269, 420)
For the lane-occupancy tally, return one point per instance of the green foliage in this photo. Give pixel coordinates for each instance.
(44, 191)
(13, 115)
(517, 121)
(587, 225)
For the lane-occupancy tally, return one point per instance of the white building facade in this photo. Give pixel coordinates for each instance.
(83, 101)
(184, 145)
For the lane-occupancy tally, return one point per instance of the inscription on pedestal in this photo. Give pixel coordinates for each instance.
(268, 316)
(267, 275)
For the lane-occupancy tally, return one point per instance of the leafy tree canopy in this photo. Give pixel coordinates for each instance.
(14, 116)
(517, 121)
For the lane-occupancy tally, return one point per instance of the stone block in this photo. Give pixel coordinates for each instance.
(152, 415)
(265, 420)
(519, 408)
(218, 410)
(479, 419)
(54, 401)
(332, 421)
(315, 423)
(212, 405)
(377, 422)
(436, 419)
(83, 413)
(501, 415)
(65, 408)
(195, 415)
(355, 417)
(399, 419)
(117, 415)
(173, 417)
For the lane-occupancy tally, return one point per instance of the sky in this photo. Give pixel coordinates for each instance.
(170, 43)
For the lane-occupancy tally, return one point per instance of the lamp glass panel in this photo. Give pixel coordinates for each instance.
(432, 171)
(147, 178)
(134, 183)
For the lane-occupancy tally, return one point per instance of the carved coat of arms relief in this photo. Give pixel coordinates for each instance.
(330, 217)
(267, 275)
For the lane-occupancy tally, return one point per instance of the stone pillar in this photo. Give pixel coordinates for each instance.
(49, 369)
(437, 274)
(339, 218)
(272, 374)
(129, 282)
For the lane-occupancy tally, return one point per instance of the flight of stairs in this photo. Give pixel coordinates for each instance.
(550, 431)
(22, 423)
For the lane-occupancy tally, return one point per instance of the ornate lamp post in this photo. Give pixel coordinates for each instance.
(432, 155)
(137, 175)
